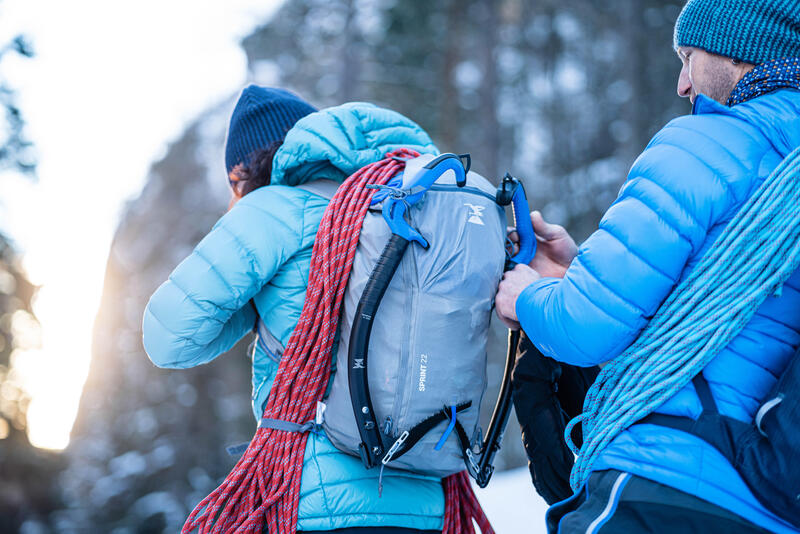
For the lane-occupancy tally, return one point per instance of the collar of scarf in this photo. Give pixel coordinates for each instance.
(765, 78)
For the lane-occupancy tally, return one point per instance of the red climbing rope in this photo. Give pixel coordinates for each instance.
(461, 507)
(263, 488)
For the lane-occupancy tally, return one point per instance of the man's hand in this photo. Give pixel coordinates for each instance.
(514, 282)
(555, 249)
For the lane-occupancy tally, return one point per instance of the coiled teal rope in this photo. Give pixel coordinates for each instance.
(752, 258)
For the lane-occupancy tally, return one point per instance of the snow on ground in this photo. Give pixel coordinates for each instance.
(511, 503)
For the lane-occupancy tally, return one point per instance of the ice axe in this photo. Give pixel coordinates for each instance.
(511, 192)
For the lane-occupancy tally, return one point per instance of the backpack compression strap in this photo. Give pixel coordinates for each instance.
(409, 438)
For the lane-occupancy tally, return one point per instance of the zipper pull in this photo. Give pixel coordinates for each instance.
(380, 481)
(387, 425)
(395, 447)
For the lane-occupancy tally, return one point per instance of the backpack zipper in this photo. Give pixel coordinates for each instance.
(405, 365)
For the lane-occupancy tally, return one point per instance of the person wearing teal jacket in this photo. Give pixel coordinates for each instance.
(254, 264)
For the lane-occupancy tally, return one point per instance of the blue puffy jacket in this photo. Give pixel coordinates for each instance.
(261, 250)
(680, 194)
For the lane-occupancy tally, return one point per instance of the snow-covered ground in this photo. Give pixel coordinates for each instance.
(511, 503)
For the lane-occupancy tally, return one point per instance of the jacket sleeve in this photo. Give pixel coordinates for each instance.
(203, 309)
(625, 270)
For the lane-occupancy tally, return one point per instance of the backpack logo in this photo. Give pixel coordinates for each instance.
(423, 371)
(475, 214)
(358, 363)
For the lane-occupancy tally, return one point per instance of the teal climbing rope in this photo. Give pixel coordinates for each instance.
(756, 253)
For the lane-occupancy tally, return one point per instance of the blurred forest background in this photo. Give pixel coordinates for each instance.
(561, 93)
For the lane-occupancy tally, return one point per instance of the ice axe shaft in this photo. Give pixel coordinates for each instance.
(511, 192)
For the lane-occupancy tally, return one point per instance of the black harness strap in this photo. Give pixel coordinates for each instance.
(720, 431)
(704, 393)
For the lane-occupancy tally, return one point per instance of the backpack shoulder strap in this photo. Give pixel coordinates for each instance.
(322, 187)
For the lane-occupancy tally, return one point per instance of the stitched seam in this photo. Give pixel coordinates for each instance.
(219, 274)
(755, 183)
(638, 255)
(776, 320)
(371, 134)
(623, 299)
(248, 252)
(179, 336)
(374, 514)
(674, 199)
(585, 355)
(774, 338)
(321, 485)
(723, 385)
(343, 130)
(745, 358)
(714, 172)
(197, 303)
(303, 221)
(273, 219)
(735, 160)
(386, 474)
(232, 310)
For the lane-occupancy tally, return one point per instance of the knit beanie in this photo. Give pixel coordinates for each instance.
(754, 31)
(262, 116)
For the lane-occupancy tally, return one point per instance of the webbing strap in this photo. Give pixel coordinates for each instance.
(322, 187)
(417, 432)
(704, 393)
(286, 426)
(238, 449)
(275, 424)
(448, 430)
(720, 431)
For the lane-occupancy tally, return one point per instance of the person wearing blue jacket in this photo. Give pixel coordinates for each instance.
(251, 272)
(586, 305)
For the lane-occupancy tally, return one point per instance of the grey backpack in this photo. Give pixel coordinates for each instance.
(427, 349)
(410, 369)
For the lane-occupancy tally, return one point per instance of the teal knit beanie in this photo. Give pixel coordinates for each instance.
(754, 31)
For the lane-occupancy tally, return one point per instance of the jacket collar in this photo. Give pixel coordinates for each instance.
(776, 115)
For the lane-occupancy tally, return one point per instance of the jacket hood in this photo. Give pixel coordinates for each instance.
(336, 142)
(776, 115)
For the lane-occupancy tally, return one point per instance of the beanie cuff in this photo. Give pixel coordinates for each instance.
(754, 31)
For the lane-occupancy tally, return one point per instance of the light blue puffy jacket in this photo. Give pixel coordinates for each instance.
(680, 194)
(261, 250)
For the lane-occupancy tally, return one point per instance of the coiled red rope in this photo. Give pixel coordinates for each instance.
(263, 489)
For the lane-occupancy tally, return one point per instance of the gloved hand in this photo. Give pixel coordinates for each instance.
(546, 395)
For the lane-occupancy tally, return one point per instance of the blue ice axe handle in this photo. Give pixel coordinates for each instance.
(372, 448)
(399, 200)
(512, 192)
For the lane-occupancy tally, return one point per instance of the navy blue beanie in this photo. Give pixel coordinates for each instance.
(754, 31)
(262, 116)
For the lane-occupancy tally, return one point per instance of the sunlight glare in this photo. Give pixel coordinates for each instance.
(102, 97)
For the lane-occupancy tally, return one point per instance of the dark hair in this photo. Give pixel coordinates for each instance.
(259, 171)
